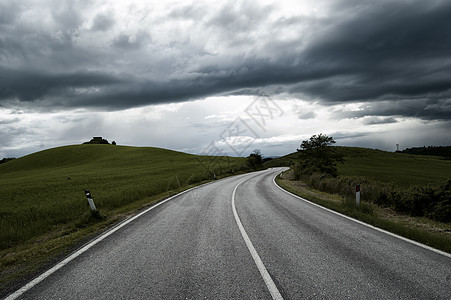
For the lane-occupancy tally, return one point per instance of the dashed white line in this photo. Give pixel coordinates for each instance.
(261, 267)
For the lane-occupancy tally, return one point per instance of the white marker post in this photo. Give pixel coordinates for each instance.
(357, 195)
(90, 201)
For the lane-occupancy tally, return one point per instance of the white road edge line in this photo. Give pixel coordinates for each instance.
(261, 267)
(77, 253)
(365, 224)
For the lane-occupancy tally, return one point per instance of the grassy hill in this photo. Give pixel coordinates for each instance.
(45, 190)
(396, 168)
(400, 169)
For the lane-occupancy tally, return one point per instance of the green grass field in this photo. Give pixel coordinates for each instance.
(403, 170)
(400, 169)
(44, 191)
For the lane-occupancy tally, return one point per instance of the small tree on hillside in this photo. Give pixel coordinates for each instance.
(6, 159)
(317, 155)
(254, 160)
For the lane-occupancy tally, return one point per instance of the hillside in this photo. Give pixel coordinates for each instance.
(46, 189)
(401, 169)
(79, 155)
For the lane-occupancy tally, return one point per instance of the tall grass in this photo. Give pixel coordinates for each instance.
(431, 201)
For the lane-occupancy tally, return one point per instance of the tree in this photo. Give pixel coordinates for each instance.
(254, 160)
(6, 159)
(318, 156)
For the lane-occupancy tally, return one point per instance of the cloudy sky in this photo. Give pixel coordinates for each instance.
(224, 76)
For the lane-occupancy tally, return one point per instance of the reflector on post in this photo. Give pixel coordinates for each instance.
(357, 195)
(90, 201)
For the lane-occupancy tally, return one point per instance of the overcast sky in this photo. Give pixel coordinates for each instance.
(224, 76)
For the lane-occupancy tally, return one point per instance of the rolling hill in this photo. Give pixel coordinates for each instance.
(396, 168)
(44, 191)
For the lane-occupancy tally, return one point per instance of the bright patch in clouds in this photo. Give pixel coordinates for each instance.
(194, 126)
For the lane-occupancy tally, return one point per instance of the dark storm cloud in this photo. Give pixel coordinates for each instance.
(396, 48)
(360, 51)
(124, 41)
(379, 120)
(102, 22)
(33, 85)
(415, 108)
(8, 12)
(347, 135)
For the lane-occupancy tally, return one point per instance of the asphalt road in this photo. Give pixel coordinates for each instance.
(244, 238)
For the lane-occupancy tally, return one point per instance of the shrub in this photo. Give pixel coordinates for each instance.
(254, 160)
(441, 212)
(433, 202)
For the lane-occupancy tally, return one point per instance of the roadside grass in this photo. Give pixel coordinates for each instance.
(44, 212)
(428, 232)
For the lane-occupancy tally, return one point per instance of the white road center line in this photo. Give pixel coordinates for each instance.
(261, 267)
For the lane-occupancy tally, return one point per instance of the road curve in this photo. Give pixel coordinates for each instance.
(218, 240)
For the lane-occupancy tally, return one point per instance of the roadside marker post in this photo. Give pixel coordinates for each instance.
(90, 201)
(357, 195)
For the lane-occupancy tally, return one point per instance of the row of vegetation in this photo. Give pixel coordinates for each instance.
(431, 201)
(316, 163)
(443, 151)
(6, 159)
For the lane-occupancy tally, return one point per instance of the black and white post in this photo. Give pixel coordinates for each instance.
(90, 201)
(357, 195)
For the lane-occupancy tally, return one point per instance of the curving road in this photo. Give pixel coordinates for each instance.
(244, 238)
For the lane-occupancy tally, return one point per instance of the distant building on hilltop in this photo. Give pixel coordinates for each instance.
(97, 140)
